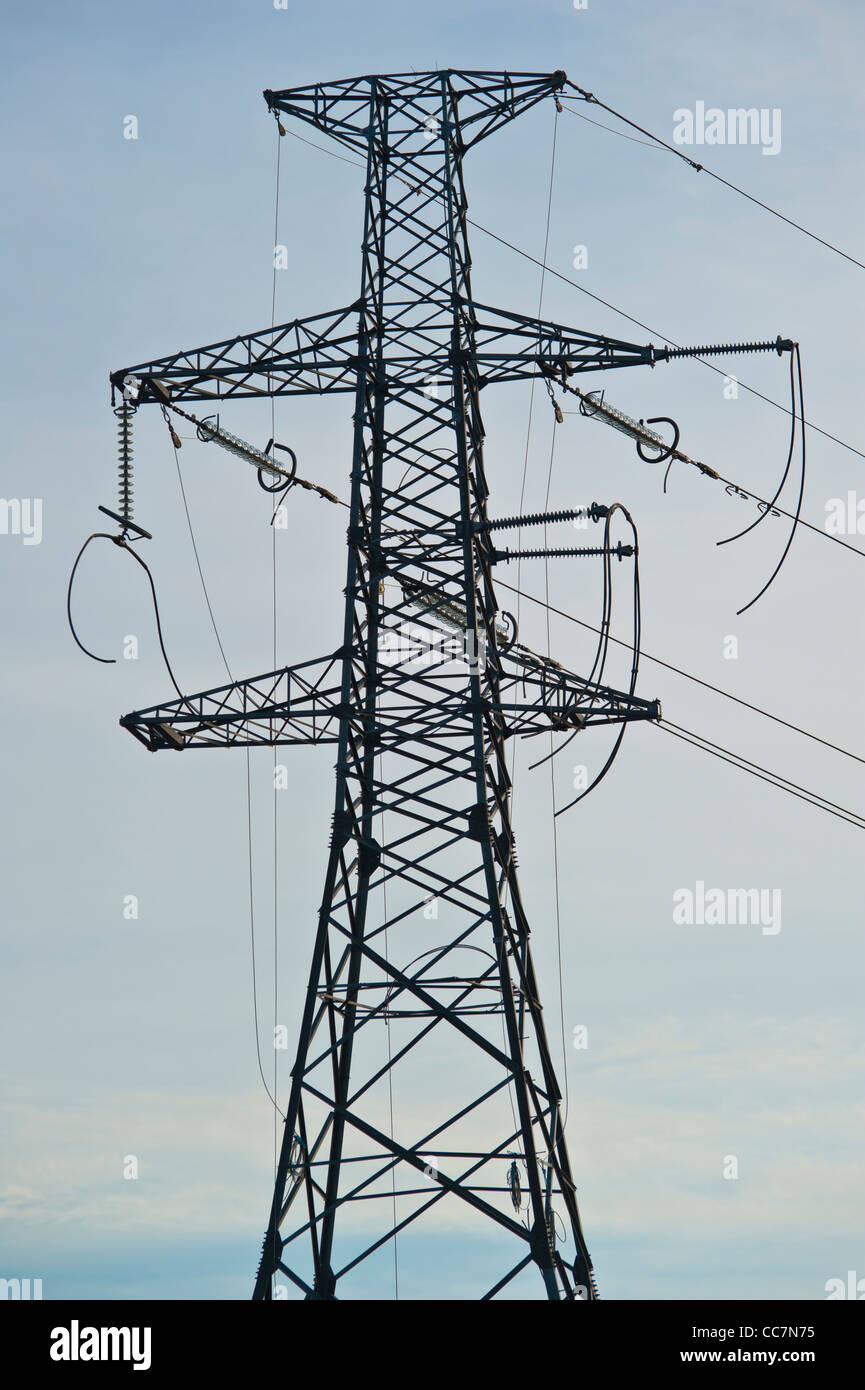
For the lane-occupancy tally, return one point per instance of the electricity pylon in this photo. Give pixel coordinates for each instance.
(423, 1090)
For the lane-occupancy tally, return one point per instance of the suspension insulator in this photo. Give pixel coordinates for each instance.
(210, 430)
(593, 405)
(515, 1186)
(124, 415)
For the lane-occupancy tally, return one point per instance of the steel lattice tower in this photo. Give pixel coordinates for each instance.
(421, 957)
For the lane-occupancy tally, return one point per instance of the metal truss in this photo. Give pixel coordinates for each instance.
(291, 706)
(422, 984)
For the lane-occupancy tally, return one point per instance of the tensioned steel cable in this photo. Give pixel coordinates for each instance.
(745, 765)
(657, 661)
(658, 334)
(513, 767)
(679, 671)
(555, 825)
(540, 306)
(701, 169)
(717, 690)
(275, 615)
(216, 634)
(615, 309)
(736, 489)
(765, 774)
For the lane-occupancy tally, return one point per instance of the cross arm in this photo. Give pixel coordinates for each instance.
(309, 356)
(534, 692)
(479, 103)
(295, 705)
(302, 704)
(514, 347)
(538, 694)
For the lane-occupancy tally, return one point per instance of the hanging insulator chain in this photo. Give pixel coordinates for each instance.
(515, 1186)
(124, 415)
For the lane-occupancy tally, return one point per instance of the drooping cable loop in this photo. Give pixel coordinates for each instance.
(604, 643)
(593, 405)
(96, 536)
(776, 571)
(548, 269)
(110, 660)
(780, 487)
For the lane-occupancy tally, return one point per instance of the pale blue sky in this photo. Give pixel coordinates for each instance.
(137, 1037)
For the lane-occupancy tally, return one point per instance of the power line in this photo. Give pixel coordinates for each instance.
(200, 570)
(581, 622)
(513, 765)
(555, 819)
(688, 676)
(752, 390)
(656, 660)
(773, 506)
(701, 169)
(408, 714)
(685, 735)
(650, 144)
(764, 774)
(540, 306)
(658, 334)
(271, 1097)
(275, 609)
